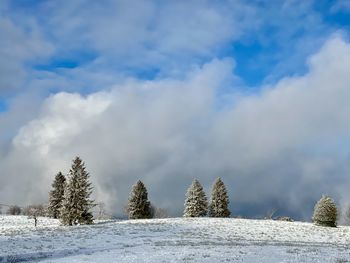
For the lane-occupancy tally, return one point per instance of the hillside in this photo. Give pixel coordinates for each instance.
(172, 240)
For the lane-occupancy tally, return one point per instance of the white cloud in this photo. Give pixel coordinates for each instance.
(115, 128)
(137, 35)
(276, 143)
(65, 116)
(17, 47)
(152, 38)
(283, 147)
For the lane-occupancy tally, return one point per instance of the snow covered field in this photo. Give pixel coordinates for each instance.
(172, 240)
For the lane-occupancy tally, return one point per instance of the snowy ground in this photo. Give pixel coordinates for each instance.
(172, 240)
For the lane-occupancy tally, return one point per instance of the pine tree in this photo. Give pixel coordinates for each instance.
(56, 195)
(196, 204)
(138, 206)
(219, 200)
(77, 203)
(325, 212)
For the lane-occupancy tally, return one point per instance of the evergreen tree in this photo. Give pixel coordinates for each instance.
(138, 206)
(76, 202)
(196, 204)
(219, 200)
(56, 195)
(325, 212)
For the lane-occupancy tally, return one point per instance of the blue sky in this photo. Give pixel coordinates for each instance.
(163, 88)
(267, 39)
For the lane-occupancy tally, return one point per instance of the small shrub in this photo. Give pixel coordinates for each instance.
(157, 212)
(14, 210)
(325, 212)
(285, 218)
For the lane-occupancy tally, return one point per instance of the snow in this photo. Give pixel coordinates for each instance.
(172, 240)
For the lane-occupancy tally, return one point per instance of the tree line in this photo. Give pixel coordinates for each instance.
(69, 200)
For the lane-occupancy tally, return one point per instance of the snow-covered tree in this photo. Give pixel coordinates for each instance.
(37, 209)
(218, 206)
(325, 212)
(138, 206)
(76, 202)
(56, 195)
(196, 204)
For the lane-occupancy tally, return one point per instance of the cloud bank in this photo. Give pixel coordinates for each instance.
(280, 148)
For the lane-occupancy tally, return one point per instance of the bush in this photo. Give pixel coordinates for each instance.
(14, 210)
(325, 212)
(285, 218)
(157, 212)
(37, 210)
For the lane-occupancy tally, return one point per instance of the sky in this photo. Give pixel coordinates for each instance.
(255, 92)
